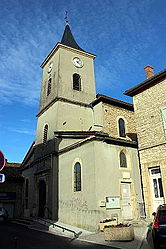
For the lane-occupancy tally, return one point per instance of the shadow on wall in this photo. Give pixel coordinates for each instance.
(132, 136)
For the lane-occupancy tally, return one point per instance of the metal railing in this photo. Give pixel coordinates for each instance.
(76, 235)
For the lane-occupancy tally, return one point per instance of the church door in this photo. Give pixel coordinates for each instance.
(126, 201)
(42, 198)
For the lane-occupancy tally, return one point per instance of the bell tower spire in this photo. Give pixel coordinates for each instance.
(67, 38)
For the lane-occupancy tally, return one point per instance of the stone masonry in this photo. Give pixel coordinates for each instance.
(151, 136)
(111, 117)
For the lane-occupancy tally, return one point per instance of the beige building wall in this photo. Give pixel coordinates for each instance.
(101, 177)
(98, 117)
(63, 116)
(151, 137)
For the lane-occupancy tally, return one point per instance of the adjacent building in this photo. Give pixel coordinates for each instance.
(149, 99)
(11, 190)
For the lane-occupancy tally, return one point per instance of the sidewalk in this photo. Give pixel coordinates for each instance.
(140, 231)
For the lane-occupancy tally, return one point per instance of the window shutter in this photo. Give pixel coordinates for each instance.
(163, 113)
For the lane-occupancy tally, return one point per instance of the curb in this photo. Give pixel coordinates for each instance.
(139, 245)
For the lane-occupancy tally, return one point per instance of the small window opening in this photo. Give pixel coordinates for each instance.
(76, 82)
(122, 132)
(49, 86)
(45, 133)
(123, 161)
(77, 177)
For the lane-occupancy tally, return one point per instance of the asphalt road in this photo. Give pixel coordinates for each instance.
(13, 236)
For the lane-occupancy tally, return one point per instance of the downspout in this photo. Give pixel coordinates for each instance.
(143, 197)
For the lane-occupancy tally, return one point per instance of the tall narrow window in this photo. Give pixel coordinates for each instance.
(76, 82)
(49, 86)
(26, 193)
(122, 132)
(123, 161)
(45, 133)
(77, 177)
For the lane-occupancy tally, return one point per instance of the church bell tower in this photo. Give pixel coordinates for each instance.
(68, 87)
(68, 73)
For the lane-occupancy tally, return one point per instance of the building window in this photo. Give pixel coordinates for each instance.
(76, 82)
(26, 193)
(163, 114)
(49, 86)
(158, 188)
(45, 133)
(157, 182)
(122, 132)
(77, 177)
(123, 160)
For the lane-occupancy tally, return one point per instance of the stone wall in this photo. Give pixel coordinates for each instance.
(151, 137)
(111, 116)
(149, 123)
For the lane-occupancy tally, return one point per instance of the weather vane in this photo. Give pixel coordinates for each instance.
(66, 17)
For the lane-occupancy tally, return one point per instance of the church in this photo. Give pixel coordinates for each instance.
(84, 165)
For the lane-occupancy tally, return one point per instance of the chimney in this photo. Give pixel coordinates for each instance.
(149, 71)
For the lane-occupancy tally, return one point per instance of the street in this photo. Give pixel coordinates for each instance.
(13, 236)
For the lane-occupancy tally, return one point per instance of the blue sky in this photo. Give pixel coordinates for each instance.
(125, 35)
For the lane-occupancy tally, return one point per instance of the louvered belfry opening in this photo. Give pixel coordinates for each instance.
(49, 86)
(45, 133)
(76, 82)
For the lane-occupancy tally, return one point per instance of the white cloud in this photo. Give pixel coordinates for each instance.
(22, 49)
(22, 131)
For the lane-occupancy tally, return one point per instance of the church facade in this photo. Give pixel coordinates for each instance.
(83, 166)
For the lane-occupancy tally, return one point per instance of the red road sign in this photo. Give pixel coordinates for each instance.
(2, 160)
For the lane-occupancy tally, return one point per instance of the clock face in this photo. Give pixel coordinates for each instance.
(77, 62)
(50, 67)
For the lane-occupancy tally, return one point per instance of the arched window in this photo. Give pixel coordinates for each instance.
(123, 160)
(122, 132)
(26, 193)
(76, 82)
(49, 86)
(77, 177)
(45, 133)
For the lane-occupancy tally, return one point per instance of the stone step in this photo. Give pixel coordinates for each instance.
(23, 221)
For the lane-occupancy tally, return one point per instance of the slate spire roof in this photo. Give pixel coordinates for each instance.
(68, 39)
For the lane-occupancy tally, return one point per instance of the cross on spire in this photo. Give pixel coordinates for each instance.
(66, 17)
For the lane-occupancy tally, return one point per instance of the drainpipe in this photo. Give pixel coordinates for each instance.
(143, 197)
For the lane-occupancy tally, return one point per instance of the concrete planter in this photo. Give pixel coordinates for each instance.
(119, 233)
(107, 223)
